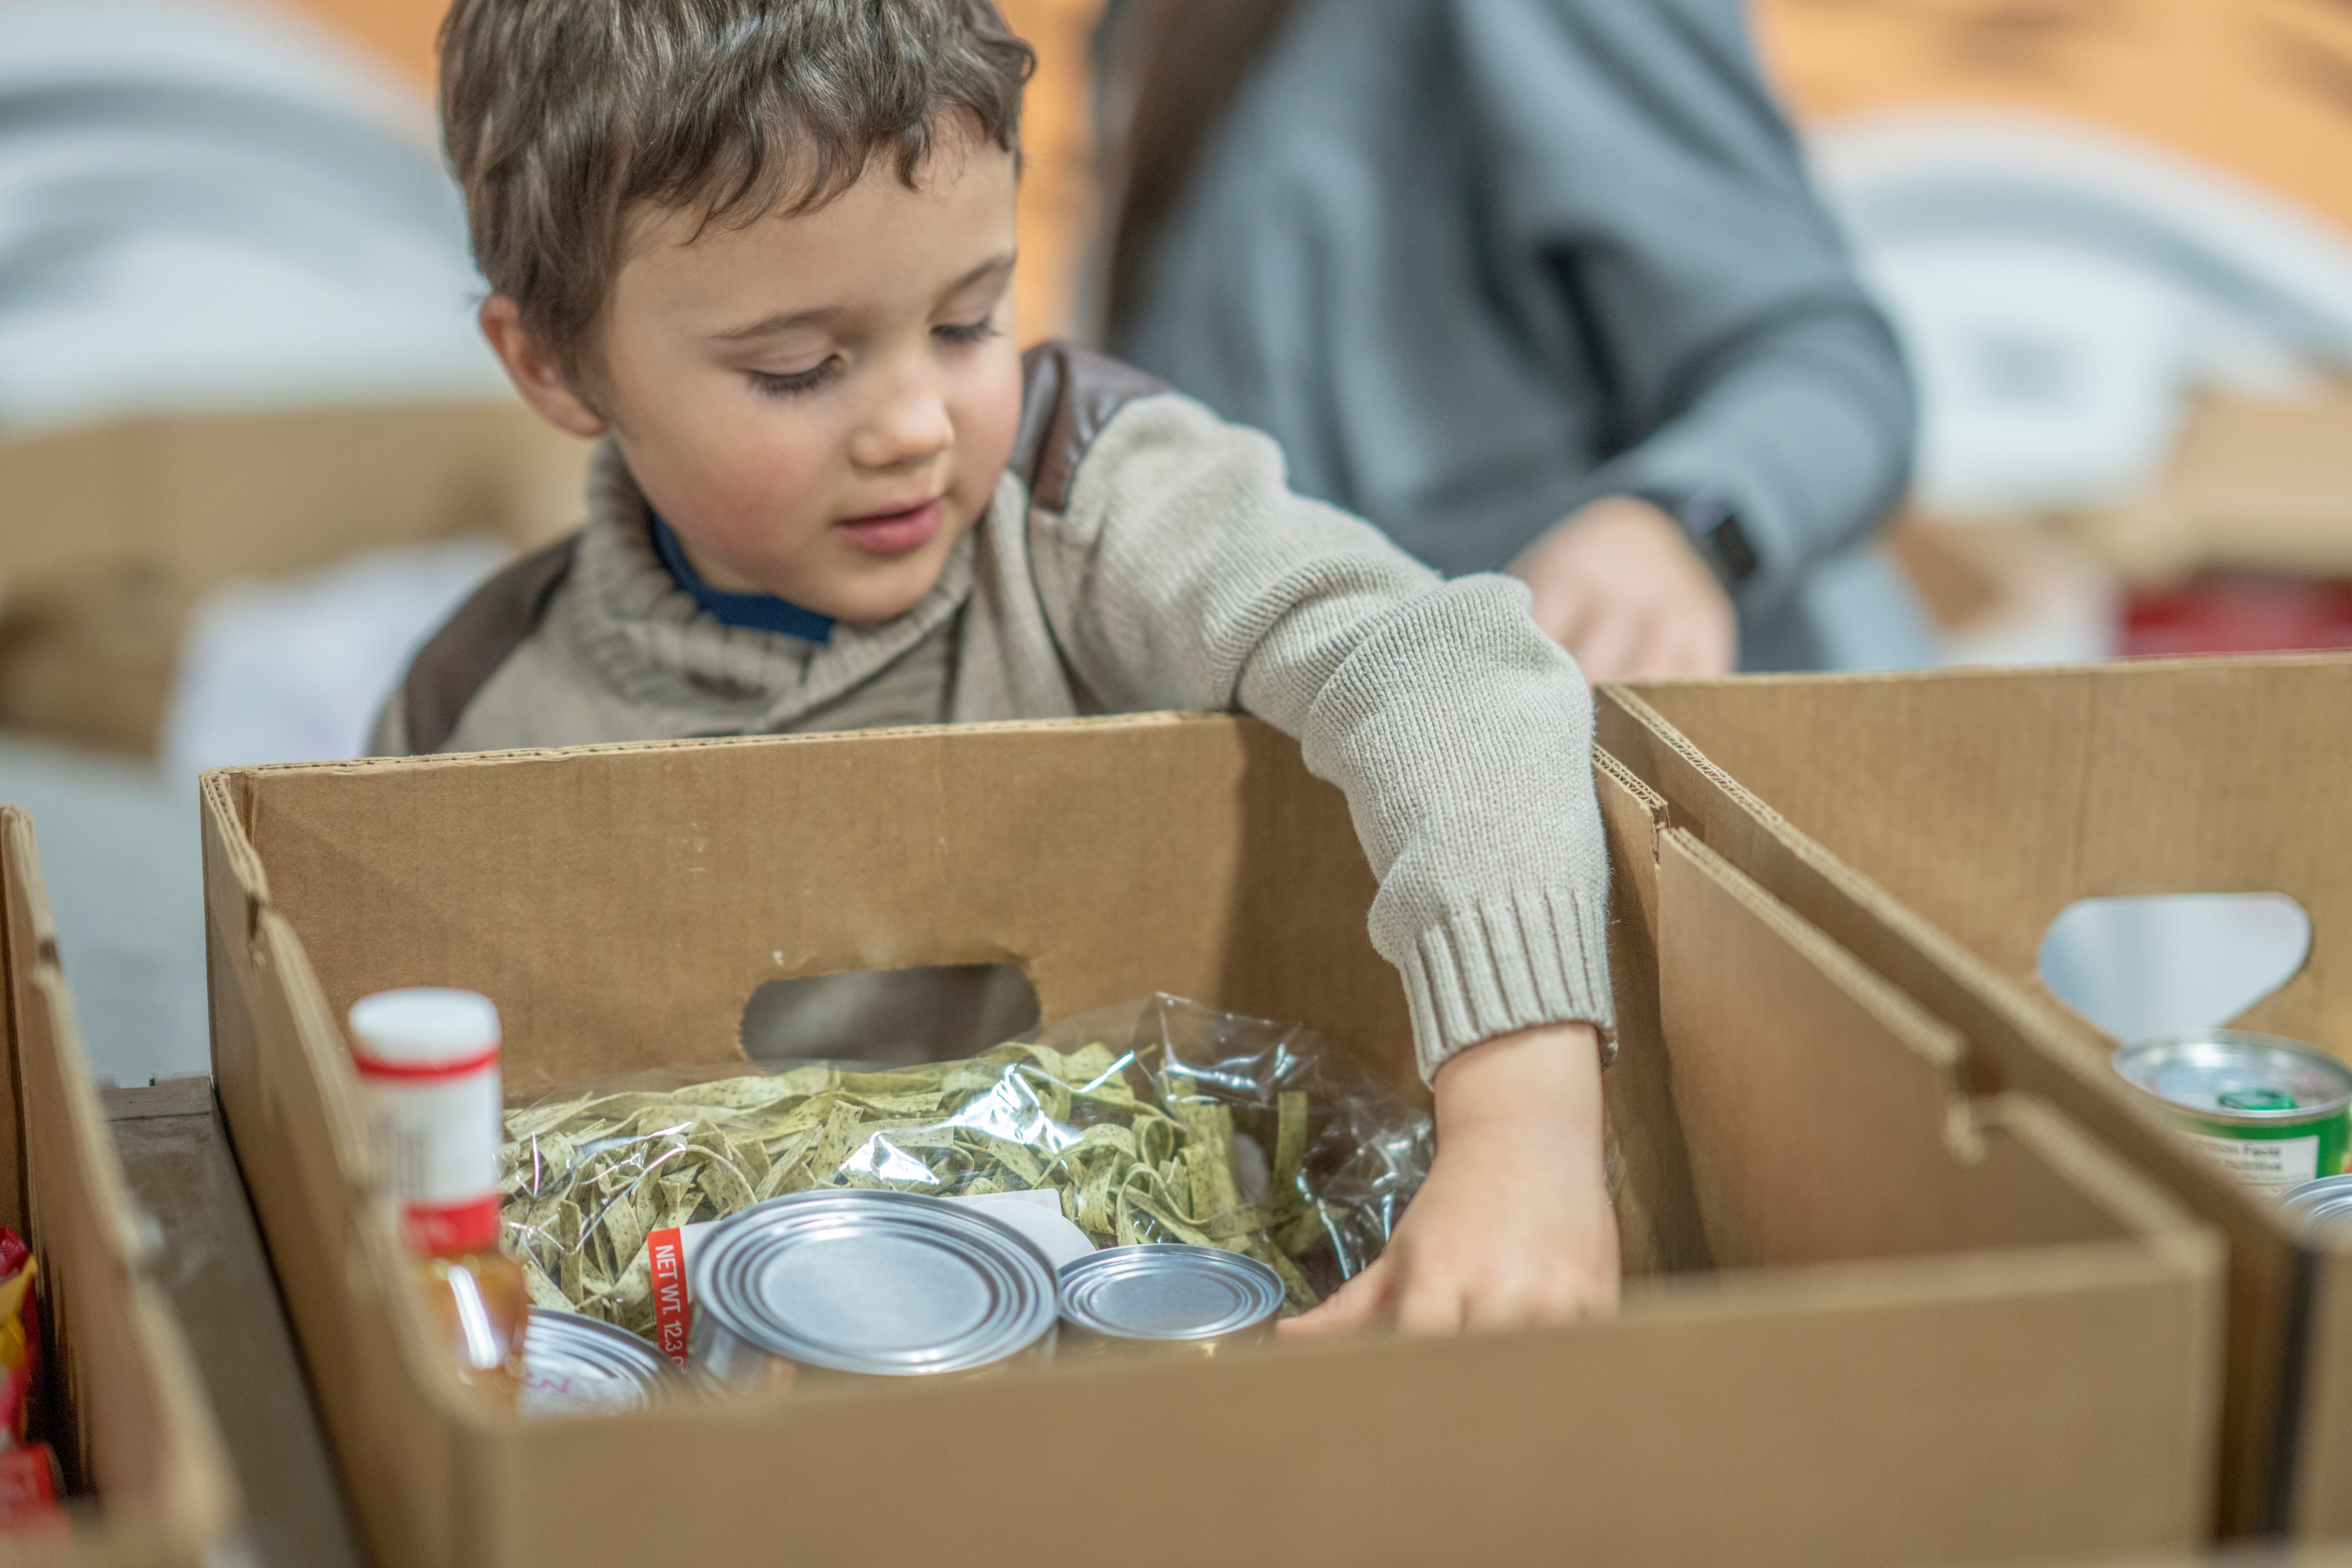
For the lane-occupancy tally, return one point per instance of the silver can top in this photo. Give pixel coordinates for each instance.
(2239, 1077)
(575, 1366)
(888, 1284)
(2324, 1205)
(1167, 1291)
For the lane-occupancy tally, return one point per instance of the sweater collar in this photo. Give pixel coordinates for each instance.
(751, 611)
(651, 641)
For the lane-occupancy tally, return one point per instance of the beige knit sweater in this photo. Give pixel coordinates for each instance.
(1139, 555)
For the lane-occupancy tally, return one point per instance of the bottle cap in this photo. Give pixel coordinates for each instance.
(425, 1028)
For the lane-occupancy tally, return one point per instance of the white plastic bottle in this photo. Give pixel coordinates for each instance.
(429, 1060)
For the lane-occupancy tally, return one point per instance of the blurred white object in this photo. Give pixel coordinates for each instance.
(295, 671)
(205, 205)
(2062, 290)
(2139, 967)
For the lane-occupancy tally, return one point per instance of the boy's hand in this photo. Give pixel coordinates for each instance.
(1618, 586)
(1513, 1229)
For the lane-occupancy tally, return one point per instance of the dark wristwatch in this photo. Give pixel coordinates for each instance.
(1710, 521)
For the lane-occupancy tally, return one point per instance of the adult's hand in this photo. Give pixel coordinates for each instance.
(1619, 585)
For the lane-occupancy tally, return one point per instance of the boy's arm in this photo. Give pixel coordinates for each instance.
(1185, 574)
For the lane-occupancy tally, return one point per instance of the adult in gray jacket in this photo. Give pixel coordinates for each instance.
(1535, 284)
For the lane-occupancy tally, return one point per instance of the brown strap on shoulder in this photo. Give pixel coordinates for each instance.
(1068, 393)
(462, 656)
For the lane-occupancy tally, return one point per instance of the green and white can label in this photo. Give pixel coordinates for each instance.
(2275, 1112)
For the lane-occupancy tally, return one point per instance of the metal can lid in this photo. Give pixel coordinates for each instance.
(1167, 1291)
(889, 1284)
(2239, 1077)
(2323, 1204)
(576, 1365)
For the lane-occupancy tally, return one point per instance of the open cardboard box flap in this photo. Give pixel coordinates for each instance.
(1999, 1346)
(1936, 825)
(136, 1428)
(127, 525)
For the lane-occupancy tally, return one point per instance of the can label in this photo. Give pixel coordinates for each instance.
(439, 1130)
(2274, 1164)
(2274, 1161)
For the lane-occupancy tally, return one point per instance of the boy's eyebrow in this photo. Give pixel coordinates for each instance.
(783, 321)
(823, 315)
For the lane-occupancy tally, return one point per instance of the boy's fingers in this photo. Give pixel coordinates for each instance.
(1352, 1306)
(1501, 1309)
(1431, 1307)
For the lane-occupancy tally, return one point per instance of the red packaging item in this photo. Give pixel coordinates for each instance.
(30, 1485)
(20, 1336)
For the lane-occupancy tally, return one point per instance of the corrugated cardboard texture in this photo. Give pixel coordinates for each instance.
(122, 527)
(1935, 825)
(621, 904)
(137, 1431)
(1658, 1227)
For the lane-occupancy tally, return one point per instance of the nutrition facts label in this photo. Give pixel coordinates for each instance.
(2275, 1165)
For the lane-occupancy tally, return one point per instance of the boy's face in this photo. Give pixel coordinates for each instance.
(820, 406)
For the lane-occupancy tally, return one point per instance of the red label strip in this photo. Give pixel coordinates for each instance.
(452, 1230)
(673, 1312)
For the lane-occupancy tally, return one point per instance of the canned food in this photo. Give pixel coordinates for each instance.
(1168, 1297)
(2275, 1112)
(575, 1366)
(864, 1283)
(2322, 1207)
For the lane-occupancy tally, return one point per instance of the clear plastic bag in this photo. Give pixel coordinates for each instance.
(1154, 1120)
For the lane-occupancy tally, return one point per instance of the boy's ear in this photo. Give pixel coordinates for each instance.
(536, 375)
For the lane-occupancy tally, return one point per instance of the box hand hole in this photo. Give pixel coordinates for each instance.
(890, 1017)
(2173, 963)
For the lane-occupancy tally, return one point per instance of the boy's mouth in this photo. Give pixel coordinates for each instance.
(895, 533)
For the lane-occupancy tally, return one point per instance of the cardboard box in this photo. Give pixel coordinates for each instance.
(115, 531)
(1880, 1319)
(135, 1426)
(2259, 484)
(1936, 824)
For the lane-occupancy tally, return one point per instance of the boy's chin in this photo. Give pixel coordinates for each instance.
(866, 602)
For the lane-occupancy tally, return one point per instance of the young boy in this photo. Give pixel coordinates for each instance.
(763, 251)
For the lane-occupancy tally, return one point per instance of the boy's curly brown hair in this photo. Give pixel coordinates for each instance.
(563, 118)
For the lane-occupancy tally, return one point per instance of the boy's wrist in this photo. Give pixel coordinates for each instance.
(1545, 1078)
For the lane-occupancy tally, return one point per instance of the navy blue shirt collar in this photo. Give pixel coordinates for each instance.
(752, 612)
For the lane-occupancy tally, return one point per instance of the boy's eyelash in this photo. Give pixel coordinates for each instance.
(799, 384)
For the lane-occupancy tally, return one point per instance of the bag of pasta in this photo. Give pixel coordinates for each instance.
(1155, 1121)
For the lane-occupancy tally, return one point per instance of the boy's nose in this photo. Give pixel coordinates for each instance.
(908, 424)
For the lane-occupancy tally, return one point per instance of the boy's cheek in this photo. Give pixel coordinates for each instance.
(989, 421)
(749, 502)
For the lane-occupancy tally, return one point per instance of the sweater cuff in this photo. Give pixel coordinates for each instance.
(1518, 961)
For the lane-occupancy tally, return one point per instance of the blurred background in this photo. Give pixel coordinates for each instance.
(252, 449)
